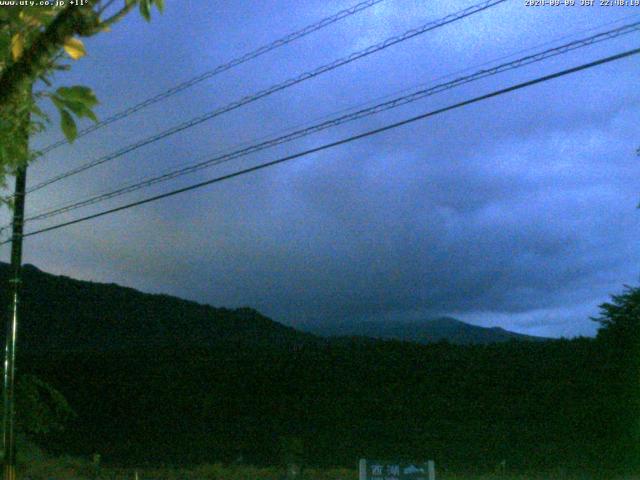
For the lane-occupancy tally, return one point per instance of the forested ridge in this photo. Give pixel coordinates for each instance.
(537, 405)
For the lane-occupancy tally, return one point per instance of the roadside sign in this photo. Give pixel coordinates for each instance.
(386, 470)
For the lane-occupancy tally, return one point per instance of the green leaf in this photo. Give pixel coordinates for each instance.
(159, 5)
(58, 102)
(37, 111)
(90, 114)
(81, 110)
(78, 94)
(68, 125)
(145, 9)
(77, 100)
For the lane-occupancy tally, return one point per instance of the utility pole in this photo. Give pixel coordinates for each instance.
(8, 421)
(24, 99)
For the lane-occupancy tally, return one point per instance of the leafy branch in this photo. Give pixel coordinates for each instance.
(33, 44)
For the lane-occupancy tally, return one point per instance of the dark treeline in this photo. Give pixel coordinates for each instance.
(158, 380)
(537, 406)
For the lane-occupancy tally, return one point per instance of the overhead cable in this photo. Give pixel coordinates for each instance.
(271, 90)
(327, 146)
(365, 112)
(325, 22)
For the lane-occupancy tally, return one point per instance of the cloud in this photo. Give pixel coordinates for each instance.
(518, 211)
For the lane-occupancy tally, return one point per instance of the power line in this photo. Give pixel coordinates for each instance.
(65, 204)
(325, 22)
(390, 104)
(345, 118)
(275, 88)
(343, 141)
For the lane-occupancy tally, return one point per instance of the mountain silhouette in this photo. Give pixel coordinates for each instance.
(423, 331)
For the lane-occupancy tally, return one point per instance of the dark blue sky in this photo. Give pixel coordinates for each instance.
(517, 212)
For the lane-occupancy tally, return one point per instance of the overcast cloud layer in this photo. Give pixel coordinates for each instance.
(517, 212)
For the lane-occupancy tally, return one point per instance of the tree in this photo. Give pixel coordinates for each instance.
(43, 409)
(619, 339)
(620, 321)
(34, 43)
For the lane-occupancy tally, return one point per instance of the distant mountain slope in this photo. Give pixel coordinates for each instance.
(425, 331)
(60, 313)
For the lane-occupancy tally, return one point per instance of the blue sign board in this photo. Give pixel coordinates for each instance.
(389, 470)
